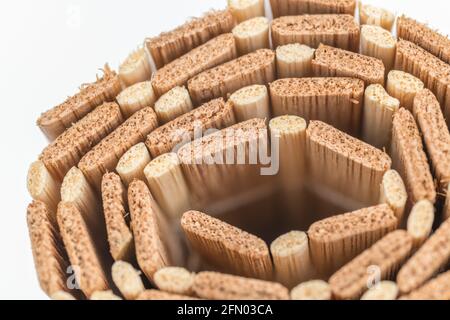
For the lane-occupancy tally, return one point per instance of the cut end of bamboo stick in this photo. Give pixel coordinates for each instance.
(385, 290)
(289, 244)
(246, 9)
(252, 35)
(127, 279)
(372, 15)
(74, 186)
(404, 87)
(175, 280)
(173, 104)
(312, 290)
(393, 192)
(136, 97)
(251, 102)
(420, 222)
(294, 60)
(131, 165)
(378, 43)
(136, 68)
(287, 125)
(42, 186)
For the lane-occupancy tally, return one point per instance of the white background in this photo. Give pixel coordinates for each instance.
(48, 48)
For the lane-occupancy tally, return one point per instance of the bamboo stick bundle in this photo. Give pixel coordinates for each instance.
(127, 279)
(56, 120)
(105, 155)
(136, 97)
(393, 192)
(170, 137)
(62, 296)
(332, 62)
(436, 135)
(291, 258)
(246, 9)
(385, 290)
(425, 37)
(83, 255)
(251, 102)
(106, 295)
(67, 150)
(427, 261)
(420, 222)
(209, 55)
(218, 286)
(387, 255)
(175, 280)
(42, 186)
(379, 43)
(131, 165)
(171, 45)
(404, 87)
(435, 289)
(337, 30)
(431, 70)
(344, 163)
(120, 238)
(50, 258)
(337, 240)
(254, 68)
(168, 185)
(295, 7)
(337, 101)
(173, 104)
(379, 109)
(409, 158)
(312, 290)
(136, 68)
(294, 60)
(160, 295)
(371, 15)
(227, 247)
(252, 35)
(153, 240)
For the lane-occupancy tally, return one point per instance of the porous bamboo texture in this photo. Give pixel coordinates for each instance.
(294, 61)
(246, 9)
(333, 62)
(436, 289)
(251, 102)
(379, 109)
(173, 104)
(170, 137)
(393, 192)
(337, 240)
(431, 70)
(50, 258)
(344, 163)
(67, 150)
(409, 158)
(171, 45)
(131, 165)
(404, 87)
(211, 54)
(427, 261)
(336, 101)
(217, 286)
(115, 208)
(378, 43)
(312, 290)
(175, 280)
(42, 186)
(127, 280)
(105, 155)
(296, 7)
(411, 30)
(254, 68)
(384, 290)
(135, 98)
(136, 68)
(340, 31)
(371, 15)
(226, 247)
(420, 222)
(436, 136)
(252, 35)
(56, 120)
(386, 256)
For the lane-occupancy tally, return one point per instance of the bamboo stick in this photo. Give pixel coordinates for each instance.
(420, 222)
(337, 240)
(217, 286)
(435, 289)
(127, 279)
(42, 186)
(337, 30)
(404, 87)
(385, 290)
(168, 185)
(393, 193)
(175, 280)
(294, 61)
(372, 15)
(251, 102)
(173, 104)
(136, 68)
(246, 9)
(252, 35)
(291, 258)
(254, 68)
(312, 290)
(67, 150)
(379, 109)
(387, 255)
(160, 295)
(104, 295)
(131, 165)
(136, 97)
(294, 7)
(56, 120)
(379, 43)
(332, 62)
